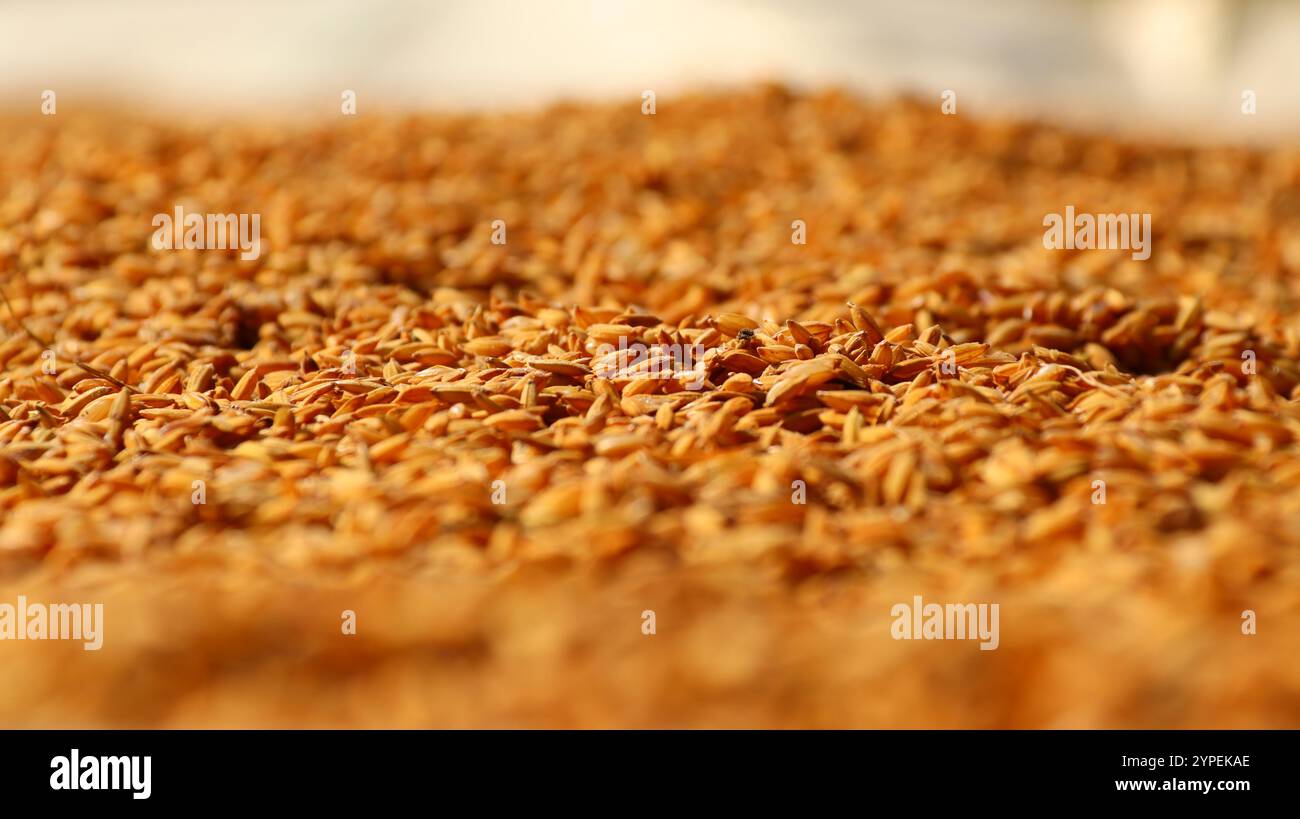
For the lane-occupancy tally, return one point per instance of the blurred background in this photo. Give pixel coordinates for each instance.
(1146, 65)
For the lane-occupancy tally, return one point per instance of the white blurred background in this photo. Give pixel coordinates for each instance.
(1162, 65)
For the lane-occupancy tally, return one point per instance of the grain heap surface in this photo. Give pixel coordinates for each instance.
(944, 391)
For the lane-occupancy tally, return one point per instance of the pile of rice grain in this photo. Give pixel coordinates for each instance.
(388, 414)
